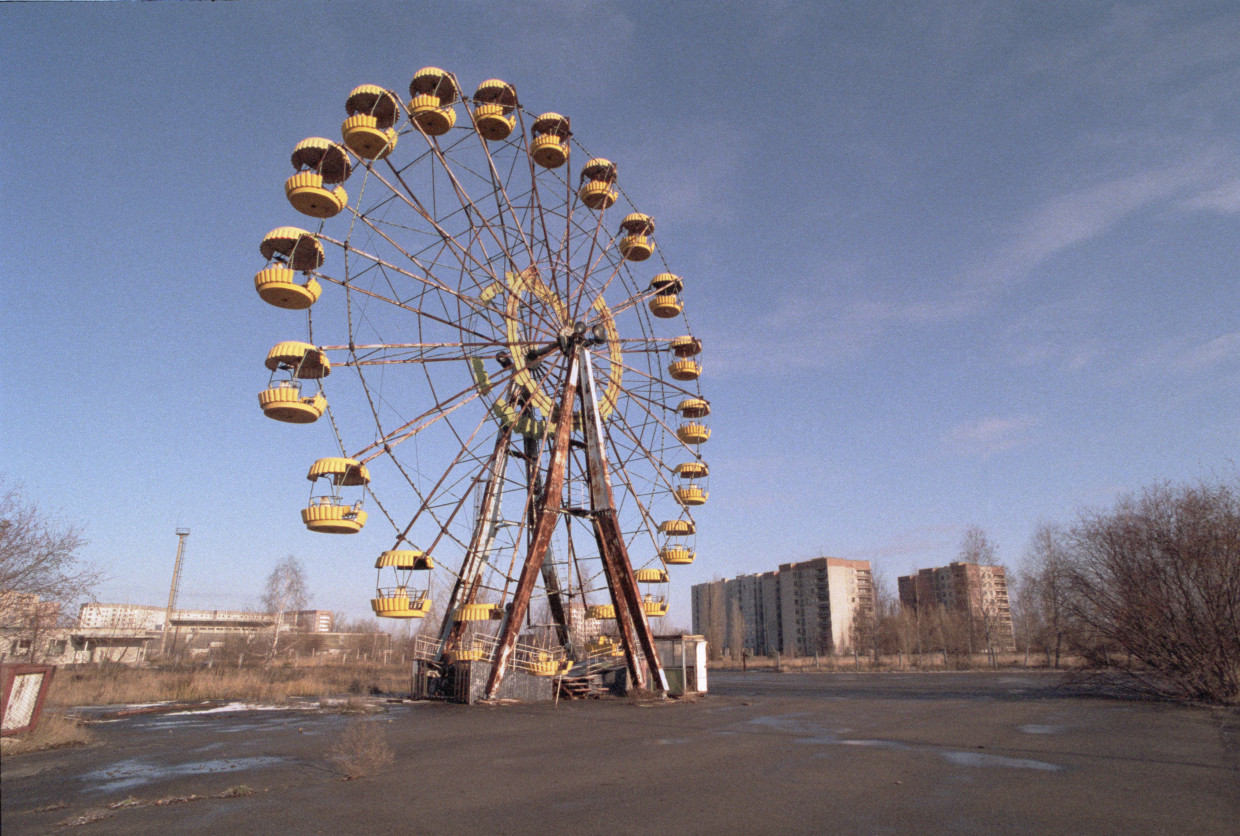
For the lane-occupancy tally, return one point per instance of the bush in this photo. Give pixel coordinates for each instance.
(1158, 581)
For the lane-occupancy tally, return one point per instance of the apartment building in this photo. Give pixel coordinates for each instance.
(800, 609)
(977, 592)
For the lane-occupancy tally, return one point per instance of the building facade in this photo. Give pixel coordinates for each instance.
(800, 609)
(977, 593)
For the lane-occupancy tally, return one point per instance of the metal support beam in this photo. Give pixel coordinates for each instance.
(551, 579)
(544, 527)
(465, 590)
(635, 633)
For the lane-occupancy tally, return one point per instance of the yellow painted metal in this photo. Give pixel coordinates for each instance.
(692, 470)
(472, 654)
(549, 151)
(601, 611)
(333, 519)
(686, 346)
(479, 612)
(693, 433)
(549, 140)
(277, 285)
(399, 605)
(604, 645)
(307, 362)
(654, 607)
(677, 528)
(497, 92)
(691, 495)
(597, 194)
(301, 249)
(373, 100)
(364, 137)
(667, 283)
(598, 168)
(638, 223)
(305, 192)
(285, 403)
(675, 556)
(343, 472)
(636, 247)
(414, 559)
(550, 667)
(323, 157)
(693, 408)
(684, 370)
(492, 123)
(651, 575)
(432, 81)
(665, 306)
(426, 112)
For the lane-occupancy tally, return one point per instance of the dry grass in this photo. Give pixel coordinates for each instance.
(362, 749)
(114, 684)
(54, 731)
(928, 662)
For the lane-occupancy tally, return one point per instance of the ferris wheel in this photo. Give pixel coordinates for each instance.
(502, 355)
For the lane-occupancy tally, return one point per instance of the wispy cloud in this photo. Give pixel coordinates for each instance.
(1212, 353)
(1225, 198)
(922, 540)
(986, 436)
(1076, 217)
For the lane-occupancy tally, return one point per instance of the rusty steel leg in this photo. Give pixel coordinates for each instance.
(548, 519)
(551, 580)
(621, 581)
(465, 590)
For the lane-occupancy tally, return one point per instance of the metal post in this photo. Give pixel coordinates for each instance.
(635, 630)
(548, 518)
(182, 533)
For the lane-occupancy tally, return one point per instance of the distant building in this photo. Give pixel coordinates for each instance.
(146, 617)
(800, 609)
(979, 593)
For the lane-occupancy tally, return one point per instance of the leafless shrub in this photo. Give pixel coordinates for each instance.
(362, 749)
(1154, 589)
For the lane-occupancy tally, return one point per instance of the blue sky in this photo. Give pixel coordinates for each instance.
(953, 263)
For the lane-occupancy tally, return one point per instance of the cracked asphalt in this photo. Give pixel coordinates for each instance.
(876, 753)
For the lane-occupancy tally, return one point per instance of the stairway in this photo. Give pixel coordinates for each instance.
(587, 687)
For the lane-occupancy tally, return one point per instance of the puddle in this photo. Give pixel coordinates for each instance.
(1034, 728)
(667, 741)
(982, 760)
(832, 740)
(136, 772)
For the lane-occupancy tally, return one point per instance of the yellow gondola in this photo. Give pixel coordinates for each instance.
(328, 513)
(549, 140)
(282, 400)
(369, 131)
(685, 370)
(665, 303)
(636, 244)
(289, 250)
(434, 91)
(319, 163)
(493, 112)
(693, 433)
(598, 184)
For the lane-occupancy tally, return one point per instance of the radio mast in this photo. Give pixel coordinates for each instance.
(182, 533)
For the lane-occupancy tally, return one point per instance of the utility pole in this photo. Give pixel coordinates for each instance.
(182, 533)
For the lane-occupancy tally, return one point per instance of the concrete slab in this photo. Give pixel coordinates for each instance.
(769, 753)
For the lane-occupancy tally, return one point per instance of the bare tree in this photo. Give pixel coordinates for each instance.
(1044, 593)
(977, 550)
(1158, 578)
(41, 570)
(285, 592)
(736, 630)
